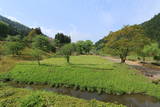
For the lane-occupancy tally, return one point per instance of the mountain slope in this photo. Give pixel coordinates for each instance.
(151, 29)
(16, 28)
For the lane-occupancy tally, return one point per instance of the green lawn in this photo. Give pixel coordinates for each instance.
(14, 97)
(91, 73)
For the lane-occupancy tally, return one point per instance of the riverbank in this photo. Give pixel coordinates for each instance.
(18, 97)
(132, 100)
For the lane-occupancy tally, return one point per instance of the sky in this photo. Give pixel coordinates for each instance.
(81, 19)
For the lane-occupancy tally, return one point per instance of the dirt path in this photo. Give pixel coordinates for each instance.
(148, 70)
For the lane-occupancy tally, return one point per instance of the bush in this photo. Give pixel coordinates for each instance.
(14, 48)
(34, 100)
(42, 43)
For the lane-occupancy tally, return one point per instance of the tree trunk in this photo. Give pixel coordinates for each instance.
(38, 60)
(144, 59)
(123, 60)
(68, 59)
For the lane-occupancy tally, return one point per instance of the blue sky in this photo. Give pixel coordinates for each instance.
(81, 19)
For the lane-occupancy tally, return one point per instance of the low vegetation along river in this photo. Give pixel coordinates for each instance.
(135, 100)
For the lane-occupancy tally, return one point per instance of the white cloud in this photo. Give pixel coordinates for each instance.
(13, 18)
(50, 31)
(74, 33)
(9, 17)
(77, 35)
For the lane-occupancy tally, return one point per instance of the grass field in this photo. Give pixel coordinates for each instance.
(91, 73)
(14, 97)
(6, 64)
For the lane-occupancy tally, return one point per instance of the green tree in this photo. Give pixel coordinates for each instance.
(88, 44)
(152, 50)
(4, 30)
(129, 39)
(84, 47)
(14, 48)
(16, 38)
(37, 55)
(62, 39)
(67, 51)
(80, 47)
(42, 42)
(1, 52)
(33, 33)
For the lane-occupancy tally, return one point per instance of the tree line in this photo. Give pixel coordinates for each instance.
(37, 45)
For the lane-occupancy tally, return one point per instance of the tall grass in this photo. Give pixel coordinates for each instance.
(90, 73)
(6, 64)
(14, 97)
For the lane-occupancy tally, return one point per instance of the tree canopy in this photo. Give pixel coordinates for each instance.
(4, 30)
(41, 42)
(62, 39)
(126, 40)
(67, 51)
(33, 33)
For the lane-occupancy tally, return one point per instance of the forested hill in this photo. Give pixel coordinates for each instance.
(151, 29)
(15, 27)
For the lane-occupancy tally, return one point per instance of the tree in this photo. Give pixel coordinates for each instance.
(80, 47)
(62, 39)
(129, 39)
(4, 30)
(1, 52)
(88, 46)
(14, 48)
(16, 38)
(42, 42)
(66, 51)
(56, 44)
(37, 55)
(84, 47)
(33, 33)
(152, 50)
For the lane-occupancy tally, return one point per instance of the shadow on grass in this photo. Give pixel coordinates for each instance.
(88, 66)
(36, 64)
(82, 66)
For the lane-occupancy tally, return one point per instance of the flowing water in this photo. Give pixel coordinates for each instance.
(134, 100)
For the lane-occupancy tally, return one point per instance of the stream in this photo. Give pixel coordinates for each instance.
(133, 100)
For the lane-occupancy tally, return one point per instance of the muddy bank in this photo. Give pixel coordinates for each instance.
(148, 70)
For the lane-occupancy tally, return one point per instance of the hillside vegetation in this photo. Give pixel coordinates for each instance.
(151, 29)
(15, 27)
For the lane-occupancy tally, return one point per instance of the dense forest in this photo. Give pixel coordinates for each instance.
(13, 28)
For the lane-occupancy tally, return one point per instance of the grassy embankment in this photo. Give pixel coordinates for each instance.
(14, 97)
(90, 73)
